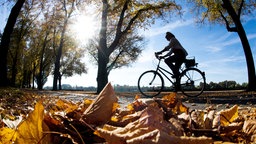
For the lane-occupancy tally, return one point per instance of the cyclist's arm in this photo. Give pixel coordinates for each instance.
(168, 54)
(165, 49)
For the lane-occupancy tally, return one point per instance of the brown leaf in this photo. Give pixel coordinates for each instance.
(249, 127)
(160, 137)
(151, 119)
(198, 117)
(101, 110)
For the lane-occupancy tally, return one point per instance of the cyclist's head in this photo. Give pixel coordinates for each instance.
(169, 35)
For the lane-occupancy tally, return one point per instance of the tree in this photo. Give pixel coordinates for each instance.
(71, 62)
(229, 14)
(126, 53)
(67, 7)
(24, 24)
(5, 41)
(123, 17)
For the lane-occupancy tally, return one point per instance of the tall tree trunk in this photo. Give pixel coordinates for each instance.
(246, 46)
(40, 80)
(4, 46)
(60, 88)
(14, 67)
(56, 74)
(33, 76)
(103, 57)
(249, 58)
(102, 78)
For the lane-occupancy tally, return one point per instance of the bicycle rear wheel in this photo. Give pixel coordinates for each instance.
(150, 83)
(192, 82)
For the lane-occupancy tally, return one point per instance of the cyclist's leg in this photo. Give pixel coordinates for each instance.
(170, 62)
(179, 61)
(175, 62)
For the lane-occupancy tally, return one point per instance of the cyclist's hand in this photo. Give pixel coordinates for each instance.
(158, 53)
(161, 57)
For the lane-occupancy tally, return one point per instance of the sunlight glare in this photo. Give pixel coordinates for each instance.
(84, 28)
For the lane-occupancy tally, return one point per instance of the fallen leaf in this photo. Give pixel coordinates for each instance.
(198, 117)
(13, 123)
(101, 110)
(226, 117)
(249, 127)
(170, 100)
(31, 129)
(66, 106)
(151, 119)
(7, 135)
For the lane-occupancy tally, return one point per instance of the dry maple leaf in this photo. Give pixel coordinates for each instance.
(225, 117)
(150, 120)
(250, 127)
(198, 118)
(7, 135)
(101, 110)
(31, 129)
(170, 100)
(66, 106)
(28, 131)
(160, 137)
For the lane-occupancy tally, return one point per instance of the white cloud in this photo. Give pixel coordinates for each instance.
(169, 27)
(213, 49)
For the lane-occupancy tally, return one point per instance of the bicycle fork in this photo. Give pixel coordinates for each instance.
(153, 78)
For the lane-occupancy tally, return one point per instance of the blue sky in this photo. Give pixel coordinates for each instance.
(219, 53)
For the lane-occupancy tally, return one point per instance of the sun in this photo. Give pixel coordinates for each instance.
(84, 27)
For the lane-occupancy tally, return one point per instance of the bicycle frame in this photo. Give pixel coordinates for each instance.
(189, 81)
(163, 72)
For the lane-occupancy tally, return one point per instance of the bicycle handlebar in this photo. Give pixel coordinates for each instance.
(157, 56)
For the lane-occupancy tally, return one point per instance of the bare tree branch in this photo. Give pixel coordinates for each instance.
(240, 9)
(233, 29)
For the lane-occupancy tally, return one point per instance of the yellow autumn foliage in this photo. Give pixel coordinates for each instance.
(226, 117)
(7, 135)
(28, 131)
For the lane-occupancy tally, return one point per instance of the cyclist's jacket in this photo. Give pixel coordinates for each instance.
(176, 48)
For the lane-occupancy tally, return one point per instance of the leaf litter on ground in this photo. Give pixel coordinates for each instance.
(27, 117)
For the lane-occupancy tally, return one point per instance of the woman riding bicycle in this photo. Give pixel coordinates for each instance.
(177, 54)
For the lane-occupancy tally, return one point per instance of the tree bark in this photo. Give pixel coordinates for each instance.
(58, 57)
(103, 56)
(246, 46)
(40, 79)
(4, 46)
(68, 13)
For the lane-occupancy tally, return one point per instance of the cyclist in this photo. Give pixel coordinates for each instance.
(176, 55)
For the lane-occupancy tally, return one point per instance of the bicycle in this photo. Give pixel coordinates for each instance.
(191, 81)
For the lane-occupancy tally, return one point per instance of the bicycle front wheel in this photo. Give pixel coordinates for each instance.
(150, 83)
(192, 82)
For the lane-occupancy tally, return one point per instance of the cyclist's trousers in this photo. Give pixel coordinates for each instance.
(175, 62)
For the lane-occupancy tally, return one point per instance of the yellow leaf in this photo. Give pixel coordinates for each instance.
(31, 129)
(7, 135)
(170, 97)
(182, 108)
(170, 100)
(88, 102)
(229, 115)
(130, 107)
(115, 106)
(137, 97)
(114, 119)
